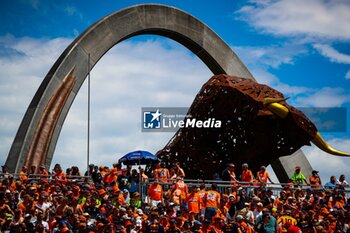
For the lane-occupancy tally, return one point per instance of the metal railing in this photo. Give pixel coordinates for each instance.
(222, 186)
(39, 177)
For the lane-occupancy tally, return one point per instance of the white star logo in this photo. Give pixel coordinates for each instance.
(156, 115)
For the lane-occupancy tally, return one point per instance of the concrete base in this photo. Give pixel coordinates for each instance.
(284, 166)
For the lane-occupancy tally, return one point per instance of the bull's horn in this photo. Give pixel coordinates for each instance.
(322, 144)
(278, 109)
(267, 101)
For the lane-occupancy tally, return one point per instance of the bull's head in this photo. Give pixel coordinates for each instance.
(258, 126)
(282, 111)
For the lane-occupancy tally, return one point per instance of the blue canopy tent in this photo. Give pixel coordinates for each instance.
(139, 157)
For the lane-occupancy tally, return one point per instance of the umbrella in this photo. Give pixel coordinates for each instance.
(139, 157)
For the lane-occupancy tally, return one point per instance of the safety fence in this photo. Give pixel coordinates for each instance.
(38, 177)
(222, 186)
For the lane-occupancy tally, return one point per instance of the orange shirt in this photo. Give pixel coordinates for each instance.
(162, 174)
(247, 176)
(263, 176)
(22, 207)
(110, 178)
(23, 176)
(121, 199)
(315, 182)
(193, 202)
(212, 199)
(201, 195)
(183, 187)
(155, 192)
(60, 176)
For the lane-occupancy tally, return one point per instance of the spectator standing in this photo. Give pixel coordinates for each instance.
(247, 175)
(155, 194)
(342, 183)
(211, 202)
(96, 175)
(144, 177)
(263, 176)
(59, 175)
(44, 175)
(179, 171)
(90, 171)
(174, 194)
(201, 193)
(23, 174)
(180, 184)
(193, 201)
(5, 171)
(229, 174)
(331, 184)
(75, 171)
(161, 173)
(299, 178)
(315, 180)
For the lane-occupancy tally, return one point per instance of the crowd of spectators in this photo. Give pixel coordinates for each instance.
(110, 200)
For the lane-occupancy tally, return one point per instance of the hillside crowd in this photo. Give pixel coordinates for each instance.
(110, 200)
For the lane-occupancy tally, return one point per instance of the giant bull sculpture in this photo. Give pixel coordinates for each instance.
(258, 126)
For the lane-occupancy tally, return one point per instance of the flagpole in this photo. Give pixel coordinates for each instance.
(88, 123)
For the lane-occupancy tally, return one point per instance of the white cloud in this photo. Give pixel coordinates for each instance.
(325, 97)
(312, 18)
(260, 60)
(347, 76)
(327, 164)
(332, 54)
(131, 75)
(271, 56)
(70, 10)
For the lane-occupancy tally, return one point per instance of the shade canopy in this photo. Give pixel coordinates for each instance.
(139, 157)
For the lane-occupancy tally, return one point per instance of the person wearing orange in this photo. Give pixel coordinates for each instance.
(112, 176)
(180, 184)
(217, 225)
(155, 194)
(121, 171)
(247, 175)
(23, 205)
(161, 173)
(211, 202)
(23, 174)
(263, 176)
(201, 193)
(315, 180)
(59, 175)
(193, 201)
(102, 171)
(44, 175)
(223, 209)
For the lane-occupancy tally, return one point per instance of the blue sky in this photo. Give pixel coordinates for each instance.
(298, 47)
